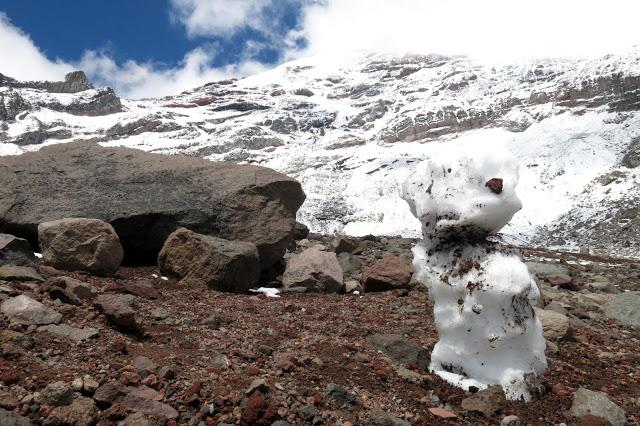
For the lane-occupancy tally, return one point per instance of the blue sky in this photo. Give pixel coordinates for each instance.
(140, 30)
(153, 48)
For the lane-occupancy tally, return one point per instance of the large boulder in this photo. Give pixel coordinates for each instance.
(80, 244)
(315, 271)
(146, 197)
(16, 251)
(220, 264)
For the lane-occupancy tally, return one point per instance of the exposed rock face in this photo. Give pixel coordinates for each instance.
(15, 251)
(79, 244)
(314, 270)
(27, 311)
(74, 82)
(220, 264)
(389, 273)
(145, 197)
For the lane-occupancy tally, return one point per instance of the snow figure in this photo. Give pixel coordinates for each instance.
(483, 293)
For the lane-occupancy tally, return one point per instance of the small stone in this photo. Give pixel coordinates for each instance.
(442, 413)
(495, 185)
(555, 326)
(107, 394)
(166, 373)
(315, 271)
(307, 412)
(400, 349)
(257, 385)
(511, 421)
(77, 384)
(389, 273)
(149, 407)
(89, 384)
(76, 334)
(381, 418)
(16, 251)
(56, 394)
(120, 310)
(488, 401)
(82, 412)
(10, 418)
(597, 404)
(19, 273)
(624, 307)
(338, 394)
(144, 363)
(27, 311)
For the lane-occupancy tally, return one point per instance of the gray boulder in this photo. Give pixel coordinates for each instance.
(16, 251)
(597, 404)
(80, 244)
(220, 264)
(315, 271)
(146, 197)
(27, 311)
(624, 307)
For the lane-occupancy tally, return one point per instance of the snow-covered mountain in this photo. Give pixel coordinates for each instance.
(351, 129)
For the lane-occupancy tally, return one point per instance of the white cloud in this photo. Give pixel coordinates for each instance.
(21, 58)
(493, 29)
(219, 17)
(135, 80)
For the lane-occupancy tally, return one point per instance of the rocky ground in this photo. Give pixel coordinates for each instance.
(140, 349)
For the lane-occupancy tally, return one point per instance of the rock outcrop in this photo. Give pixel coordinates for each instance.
(80, 244)
(146, 196)
(222, 265)
(74, 82)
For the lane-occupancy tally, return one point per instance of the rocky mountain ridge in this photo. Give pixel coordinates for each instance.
(350, 129)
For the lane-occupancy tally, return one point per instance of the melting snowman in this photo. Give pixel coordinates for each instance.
(483, 293)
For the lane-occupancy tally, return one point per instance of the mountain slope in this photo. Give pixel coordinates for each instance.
(351, 129)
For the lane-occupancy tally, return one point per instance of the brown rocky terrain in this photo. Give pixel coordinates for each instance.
(138, 348)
